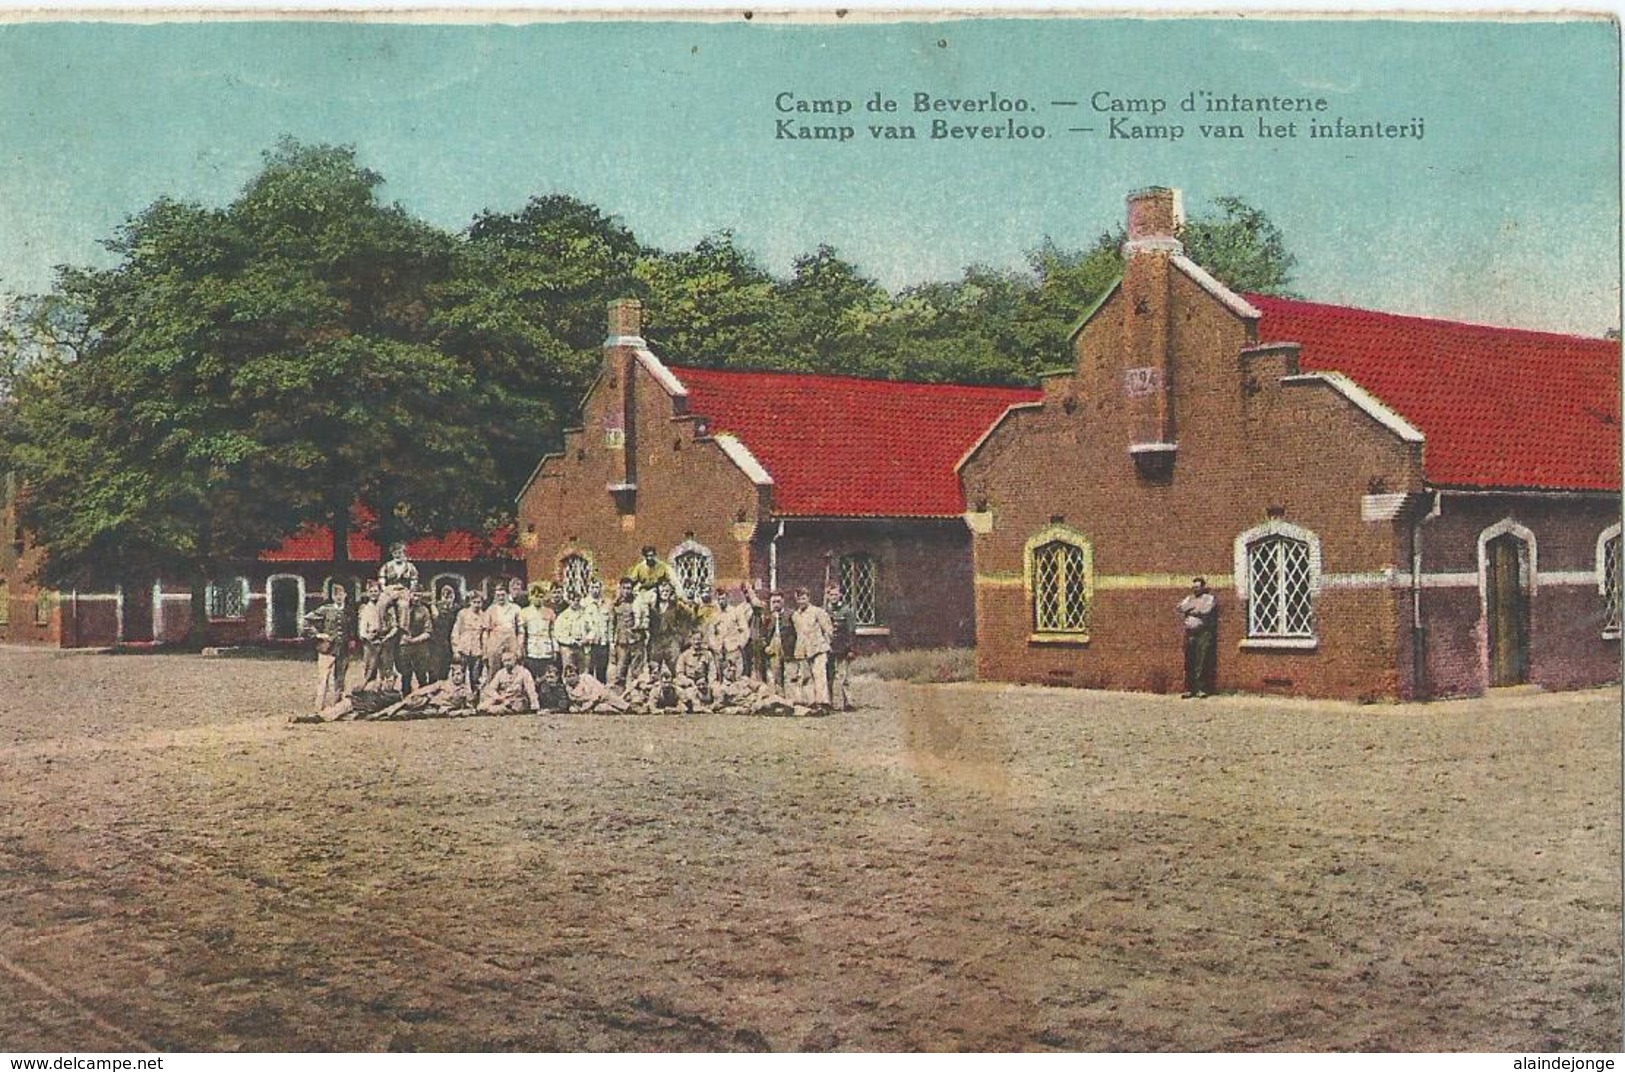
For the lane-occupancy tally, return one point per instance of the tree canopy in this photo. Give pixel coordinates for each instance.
(241, 370)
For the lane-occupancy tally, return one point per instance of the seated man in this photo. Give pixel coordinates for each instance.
(735, 695)
(693, 674)
(552, 697)
(510, 690)
(663, 694)
(588, 694)
(438, 699)
(747, 696)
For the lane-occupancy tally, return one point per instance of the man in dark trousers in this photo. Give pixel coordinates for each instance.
(416, 657)
(1199, 618)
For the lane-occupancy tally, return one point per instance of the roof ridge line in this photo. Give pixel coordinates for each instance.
(1389, 314)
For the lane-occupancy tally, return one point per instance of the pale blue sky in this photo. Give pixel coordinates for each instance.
(1507, 211)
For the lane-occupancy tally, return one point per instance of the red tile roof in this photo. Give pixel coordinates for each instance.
(1500, 408)
(836, 446)
(314, 543)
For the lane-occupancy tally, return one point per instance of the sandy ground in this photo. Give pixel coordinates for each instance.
(953, 867)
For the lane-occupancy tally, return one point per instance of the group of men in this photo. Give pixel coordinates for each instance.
(648, 649)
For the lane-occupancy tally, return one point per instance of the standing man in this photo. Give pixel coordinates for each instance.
(330, 625)
(445, 616)
(570, 633)
(504, 626)
(732, 630)
(814, 634)
(416, 661)
(597, 628)
(841, 650)
(377, 626)
(1199, 618)
(536, 628)
(630, 631)
(468, 641)
(759, 625)
(669, 622)
(779, 644)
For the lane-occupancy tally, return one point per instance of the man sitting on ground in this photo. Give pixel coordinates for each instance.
(551, 695)
(591, 696)
(439, 699)
(694, 673)
(511, 690)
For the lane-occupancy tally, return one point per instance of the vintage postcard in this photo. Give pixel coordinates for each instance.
(848, 531)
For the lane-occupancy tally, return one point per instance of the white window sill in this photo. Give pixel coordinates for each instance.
(1064, 640)
(1610, 634)
(873, 630)
(238, 618)
(1279, 643)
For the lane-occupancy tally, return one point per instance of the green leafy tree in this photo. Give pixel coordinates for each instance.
(825, 312)
(1241, 246)
(713, 305)
(247, 369)
(525, 312)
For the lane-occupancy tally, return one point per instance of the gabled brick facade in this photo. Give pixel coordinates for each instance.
(1184, 442)
(777, 480)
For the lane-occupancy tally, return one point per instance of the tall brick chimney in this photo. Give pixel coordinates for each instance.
(1155, 216)
(625, 321)
(621, 348)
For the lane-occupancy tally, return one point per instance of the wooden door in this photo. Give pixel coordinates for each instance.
(137, 612)
(286, 613)
(1507, 610)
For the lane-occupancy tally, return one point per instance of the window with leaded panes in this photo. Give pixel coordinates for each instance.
(1280, 586)
(693, 567)
(1060, 588)
(575, 573)
(860, 585)
(1611, 586)
(228, 599)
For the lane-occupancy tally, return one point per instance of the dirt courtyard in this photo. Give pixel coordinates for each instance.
(951, 867)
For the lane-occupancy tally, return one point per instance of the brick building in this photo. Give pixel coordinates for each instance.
(776, 478)
(1387, 506)
(260, 601)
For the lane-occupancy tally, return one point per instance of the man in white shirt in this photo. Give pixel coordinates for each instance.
(598, 626)
(377, 626)
(536, 629)
(814, 634)
(1199, 619)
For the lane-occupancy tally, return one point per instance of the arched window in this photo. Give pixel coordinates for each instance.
(575, 573)
(1060, 581)
(860, 585)
(458, 582)
(44, 602)
(5, 602)
(1278, 578)
(695, 567)
(1608, 580)
(227, 599)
